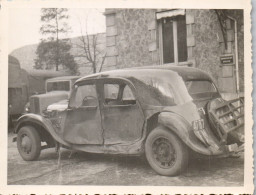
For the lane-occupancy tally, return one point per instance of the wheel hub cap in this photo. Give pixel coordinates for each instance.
(164, 152)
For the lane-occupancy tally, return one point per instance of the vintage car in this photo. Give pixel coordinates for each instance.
(165, 114)
(57, 91)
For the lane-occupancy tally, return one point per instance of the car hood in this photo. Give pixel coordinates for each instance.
(58, 106)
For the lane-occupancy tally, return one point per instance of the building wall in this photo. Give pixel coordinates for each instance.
(128, 38)
(239, 16)
(209, 46)
(132, 39)
(206, 47)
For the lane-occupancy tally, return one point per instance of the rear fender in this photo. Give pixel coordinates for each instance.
(183, 130)
(38, 120)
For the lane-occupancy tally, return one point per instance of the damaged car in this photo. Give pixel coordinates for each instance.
(165, 114)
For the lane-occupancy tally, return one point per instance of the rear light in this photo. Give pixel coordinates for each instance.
(198, 124)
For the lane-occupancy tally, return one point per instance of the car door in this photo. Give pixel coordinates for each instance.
(122, 117)
(83, 121)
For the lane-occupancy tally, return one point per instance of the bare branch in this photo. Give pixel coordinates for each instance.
(89, 45)
(102, 62)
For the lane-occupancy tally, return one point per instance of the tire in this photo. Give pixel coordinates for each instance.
(165, 152)
(29, 143)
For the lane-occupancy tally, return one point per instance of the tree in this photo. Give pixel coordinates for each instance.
(90, 50)
(93, 55)
(53, 51)
(46, 52)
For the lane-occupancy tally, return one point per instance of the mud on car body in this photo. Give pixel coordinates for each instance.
(165, 114)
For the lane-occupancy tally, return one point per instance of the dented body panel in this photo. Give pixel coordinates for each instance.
(113, 112)
(35, 119)
(184, 130)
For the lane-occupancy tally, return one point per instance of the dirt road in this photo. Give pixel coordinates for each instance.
(95, 169)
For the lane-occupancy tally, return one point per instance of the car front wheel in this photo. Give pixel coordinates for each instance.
(165, 152)
(29, 143)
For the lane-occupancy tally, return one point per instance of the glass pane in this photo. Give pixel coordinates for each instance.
(85, 96)
(168, 46)
(127, 94)
(111, 91)
(195, 87)
(182, 39)
(58, 86)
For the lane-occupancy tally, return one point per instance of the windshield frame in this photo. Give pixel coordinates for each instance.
(47, 82)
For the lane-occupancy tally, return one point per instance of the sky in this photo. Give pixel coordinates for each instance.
(24, 24)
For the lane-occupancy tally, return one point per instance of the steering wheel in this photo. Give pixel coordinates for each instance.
(89, 97)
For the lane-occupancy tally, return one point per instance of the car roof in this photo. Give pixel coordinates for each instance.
(187, 73)
(63, 78)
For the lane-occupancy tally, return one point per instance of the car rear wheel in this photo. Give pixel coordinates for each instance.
(165, 152)
(29, 143)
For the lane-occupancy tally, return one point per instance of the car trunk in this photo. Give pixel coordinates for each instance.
(225, 119)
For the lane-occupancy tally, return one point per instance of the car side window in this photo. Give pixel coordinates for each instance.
(118, 94)
(128, 97)
(58, 86)
(85, 95)
(111, 93)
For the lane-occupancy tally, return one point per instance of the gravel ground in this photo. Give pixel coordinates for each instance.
(97, 169)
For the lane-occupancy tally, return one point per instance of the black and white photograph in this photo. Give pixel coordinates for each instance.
(127, 97)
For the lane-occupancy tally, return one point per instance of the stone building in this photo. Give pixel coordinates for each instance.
(211, 40)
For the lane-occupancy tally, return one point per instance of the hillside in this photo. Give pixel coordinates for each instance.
(26, 54)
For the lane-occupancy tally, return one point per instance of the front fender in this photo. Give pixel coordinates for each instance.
(184, 131)
(35, 119)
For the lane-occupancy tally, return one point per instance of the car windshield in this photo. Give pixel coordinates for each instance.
(162, 91)
(58, 86)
